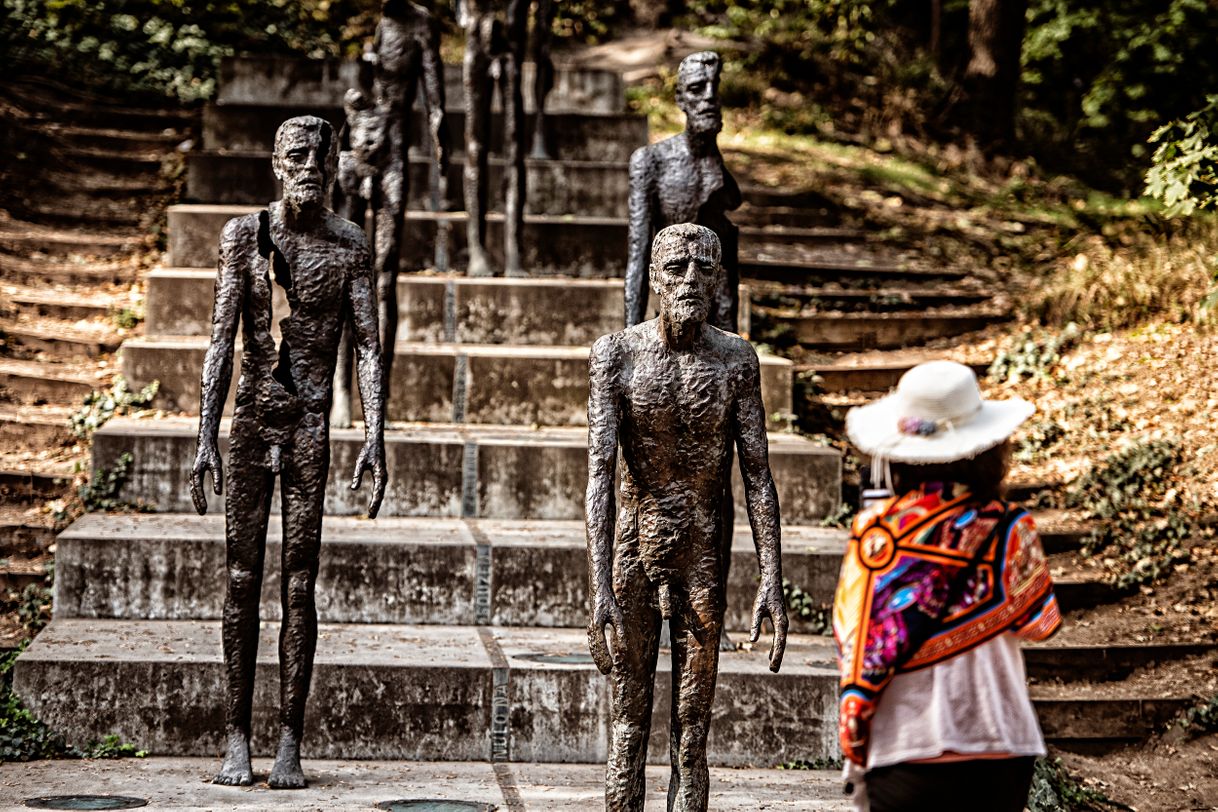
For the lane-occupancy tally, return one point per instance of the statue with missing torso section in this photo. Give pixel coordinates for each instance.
(675, 395)
(280, 422)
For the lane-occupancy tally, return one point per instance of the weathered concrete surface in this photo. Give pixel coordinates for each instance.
(490, 384)
(415, 692)
(871, 331)
(870, 377)
(396, 570)
(497, 472)
(183, 785)
(576, 136)
(282, 80)
(565, 245)
(406, 692)
(594, 188)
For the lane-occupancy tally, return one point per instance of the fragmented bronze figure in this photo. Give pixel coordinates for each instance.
(374, 169)
(675, 394)
(683, 180)
(543, 77)
(279, 425)
(496, 35)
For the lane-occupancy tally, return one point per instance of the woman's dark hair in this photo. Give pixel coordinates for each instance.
(983, 475)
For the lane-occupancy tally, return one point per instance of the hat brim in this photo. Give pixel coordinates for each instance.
(873, 431)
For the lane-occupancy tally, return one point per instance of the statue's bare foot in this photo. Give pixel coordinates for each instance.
(725, 643)
(540, 152)
(236, 770)
(516, 272)
(478, 265)
(287, 773)
(340, 414)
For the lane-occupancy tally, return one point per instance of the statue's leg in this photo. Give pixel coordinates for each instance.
(303, 492)
(696, 625)
(478, 92)
(247, 507)
(543, 79)
(513, 143)
(633, 682)
(390, 230)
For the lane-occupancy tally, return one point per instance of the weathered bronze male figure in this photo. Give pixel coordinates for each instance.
(675, 394)
(683, 179)
(375, 169)
(280, 421)
(496, 35)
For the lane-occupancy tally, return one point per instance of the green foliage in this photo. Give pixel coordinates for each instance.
(841, 517)
(1183, 173)
(1199, 719)
(24, 738)
(173, 47)
(128, 318)
(34, 602)
(803, 606)
(1033, 355)
(1100, 75)
(1037, 440)
(1141, 533)
(1055, 790)
(99, 406)
(102, 492)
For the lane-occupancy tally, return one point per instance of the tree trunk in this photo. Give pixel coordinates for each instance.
(991, 79)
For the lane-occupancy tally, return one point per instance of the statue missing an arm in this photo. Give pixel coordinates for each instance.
(280, 422)
(675, 394)
(683, 179)
(374, 167)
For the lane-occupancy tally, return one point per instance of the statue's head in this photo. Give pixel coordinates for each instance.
(685, 268)
(698, 92)
(305, 161)
(367, 128)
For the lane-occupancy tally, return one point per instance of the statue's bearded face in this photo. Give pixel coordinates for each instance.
(684, 272)
(698, 97)
(304, 164)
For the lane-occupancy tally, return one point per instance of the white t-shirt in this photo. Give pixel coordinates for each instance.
(975, 703)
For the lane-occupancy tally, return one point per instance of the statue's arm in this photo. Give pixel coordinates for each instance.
(761, 498)
(639, 241)
(433, 91)
(362, 303)
(600, 501)
(218, 362)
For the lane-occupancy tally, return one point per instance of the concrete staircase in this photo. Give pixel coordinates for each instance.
(452, 626)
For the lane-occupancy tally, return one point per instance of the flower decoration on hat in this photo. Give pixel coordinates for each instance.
(919, 426)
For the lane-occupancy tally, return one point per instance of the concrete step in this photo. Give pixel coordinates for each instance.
(34, 382)
(1104, 663)
(41, 100)
(25, 530)
(58, 304)
(446, 383)
(565, 246)
(412, 692)
(182, 784)
(29, 484)
(284, 80)
(113, 161)
(866, 331)
(28, 238)
(118, 140)
(499, 472)
(60, 340)
(574, 136)
(397, 570)
(28, 263)
(462, 693)
(874, 377)
(831, 298)
(35, 426)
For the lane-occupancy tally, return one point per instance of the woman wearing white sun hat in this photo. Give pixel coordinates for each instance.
(937, 586)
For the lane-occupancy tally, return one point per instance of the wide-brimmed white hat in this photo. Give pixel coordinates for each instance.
(936, 415)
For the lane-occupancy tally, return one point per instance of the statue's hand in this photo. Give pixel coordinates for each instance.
(207, 458)
(605, 612)
(770, 604)
(371, 460)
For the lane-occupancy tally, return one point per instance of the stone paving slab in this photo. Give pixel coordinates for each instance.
(415, 692)
(184, 784)
(395, 570)
(285, 80)
(491, 384)
(491, 472)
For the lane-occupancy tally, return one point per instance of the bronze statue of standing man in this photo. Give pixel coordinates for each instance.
(280, 422)
(674, 394)
(683, 179)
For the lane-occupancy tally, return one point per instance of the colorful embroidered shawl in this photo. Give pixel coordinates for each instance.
(927, 576)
